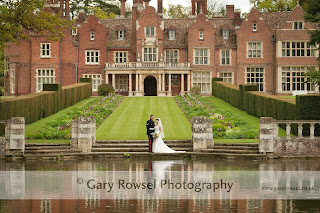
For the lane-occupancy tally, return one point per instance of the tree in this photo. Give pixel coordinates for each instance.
(177, 11)
(216, 7)
(313, 15)
(100, 7)
(21, 15)
(274, 5)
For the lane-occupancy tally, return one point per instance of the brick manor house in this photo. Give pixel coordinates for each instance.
(147, 54)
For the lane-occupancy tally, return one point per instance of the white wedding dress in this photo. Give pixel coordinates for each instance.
(159, 146)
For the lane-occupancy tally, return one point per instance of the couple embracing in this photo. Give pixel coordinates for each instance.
(155, 134)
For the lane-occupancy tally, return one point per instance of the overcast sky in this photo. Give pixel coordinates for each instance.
(244, 5)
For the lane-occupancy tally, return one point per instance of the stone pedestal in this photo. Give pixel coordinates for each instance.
(201, 130)
(2, 147)
(15, 136)
(161, 94)
(267, 133)
(138, 94)
(83, 133)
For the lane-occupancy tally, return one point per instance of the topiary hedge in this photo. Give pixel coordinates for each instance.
(228, 92)
(35, 106)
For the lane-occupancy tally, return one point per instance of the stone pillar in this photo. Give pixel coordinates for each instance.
(202, 136)
(266, 137)
(114, 81)
(14, 136)
(159, 83)
(137, 79)
(2, 147)
(83, 133)
(130, 85)
(169, 86)
(182, 84)
(163, 82)
(107, 78)
(188, 83)
(140, 83)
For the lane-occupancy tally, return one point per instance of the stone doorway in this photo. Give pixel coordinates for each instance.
(150, 86)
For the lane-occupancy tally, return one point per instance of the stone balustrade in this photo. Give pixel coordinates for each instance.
(83, 133)
(201, 130)
(142, 65)
(270, 142)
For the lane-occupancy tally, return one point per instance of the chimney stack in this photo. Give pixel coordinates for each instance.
(123, 8)
(146, 3)
(61, 8)
(230, 11)
(67, 10)
(160, 8)
(81, 16)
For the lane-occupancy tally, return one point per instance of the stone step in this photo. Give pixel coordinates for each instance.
(231, 155)
(132, 149)
(231, 151)
(133, 145)
(53, 151)
(47, 147)
(138, 141)
(238, 144)
(47, 144)
(236, 147)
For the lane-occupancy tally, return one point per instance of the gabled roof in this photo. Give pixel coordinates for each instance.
(275, 20)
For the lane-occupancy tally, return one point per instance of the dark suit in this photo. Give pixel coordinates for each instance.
(150, 124)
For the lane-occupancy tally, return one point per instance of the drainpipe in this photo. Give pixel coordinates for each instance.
(273, 40)
(60, 61)
(77, 47)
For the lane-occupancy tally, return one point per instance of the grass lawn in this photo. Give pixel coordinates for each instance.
(128, 121)
(292, 97)
(253, 121)
(36, 126)
(6, 97)
(221, 140)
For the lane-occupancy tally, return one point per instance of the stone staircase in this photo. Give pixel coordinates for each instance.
(138, 146)
(235, 150)
(49, 149)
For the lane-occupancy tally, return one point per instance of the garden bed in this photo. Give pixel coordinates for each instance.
(60, 127)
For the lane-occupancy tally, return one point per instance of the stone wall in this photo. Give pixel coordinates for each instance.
(201, 130)
(297, 147)
(15, 136)
(83, 133)
(2, 147)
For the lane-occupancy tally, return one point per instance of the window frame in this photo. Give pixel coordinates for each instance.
(222, 56)
(201, 35)
(92, 56)
(121, 37)
(296, 47)
(150, 31)
(6, 64)
(195, 56)
(254, 27)
(123, 58)
(225, 33)
(171, 52)
(153, 54)
(12, 81)
(46, 50)
(172, 35)
(298, 25)
(226, 78)
(256, 49)
(92, 36)
(45, 77)
(95, 85)
(202, 75)
(254, 77)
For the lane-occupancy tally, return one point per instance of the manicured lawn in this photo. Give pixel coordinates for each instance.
(38, 125)
(128, 121)
(6, 97)
(253, 121)
(292, 97)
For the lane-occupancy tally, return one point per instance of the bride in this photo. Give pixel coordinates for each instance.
(158, 145)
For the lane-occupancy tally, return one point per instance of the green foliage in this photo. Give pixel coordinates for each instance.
(274, 5)
(60, 128)
(85, 80)
(51, 87)
(313, 75)
(102, 9)
(1, 92)
(177, 11)
(19, 16)
(195, 90)
(105, 89)
(39, 105)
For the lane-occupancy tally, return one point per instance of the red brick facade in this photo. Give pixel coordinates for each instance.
(150, 55)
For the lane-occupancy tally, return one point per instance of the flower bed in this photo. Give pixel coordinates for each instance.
(225, 123)
(60, 128)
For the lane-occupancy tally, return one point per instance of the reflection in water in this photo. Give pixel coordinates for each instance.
(157, 169)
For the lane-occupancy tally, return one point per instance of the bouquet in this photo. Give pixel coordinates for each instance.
(155, 135)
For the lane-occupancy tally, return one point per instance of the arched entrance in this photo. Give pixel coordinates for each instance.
(150, 86)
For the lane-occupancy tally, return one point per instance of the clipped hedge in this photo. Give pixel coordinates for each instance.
(35, 106)
(228, 92)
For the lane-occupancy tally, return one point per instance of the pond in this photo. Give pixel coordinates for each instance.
(147, 164)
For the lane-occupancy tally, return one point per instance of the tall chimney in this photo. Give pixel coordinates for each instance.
(67, 10)
(160, 7)
(203, 6)
(61, 8)
(230, 11)
(146, 3)
(123, 8)
(193, 7)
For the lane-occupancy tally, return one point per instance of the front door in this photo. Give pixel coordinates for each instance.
(150, 86)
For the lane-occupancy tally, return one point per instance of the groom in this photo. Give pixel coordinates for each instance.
(150, 131)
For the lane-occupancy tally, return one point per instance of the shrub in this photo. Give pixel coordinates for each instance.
(1, 92)
(195, 90)
(105, 89)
